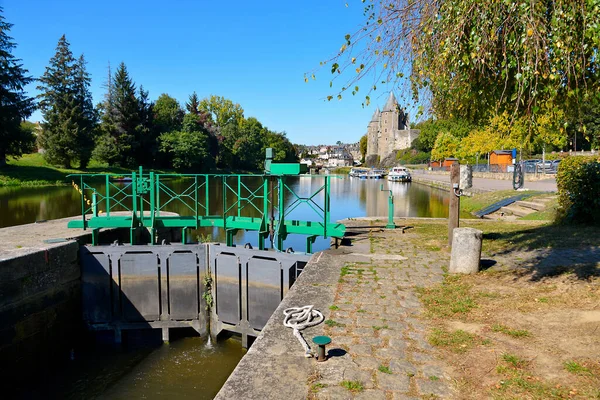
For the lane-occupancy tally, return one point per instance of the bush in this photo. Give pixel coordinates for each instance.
(578, 182)
(412, 156)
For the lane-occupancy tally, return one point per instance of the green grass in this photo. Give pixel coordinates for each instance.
(511, 332)
(385, 369)
(513, 361)
(33, 170)
(576, 368)
(457, 341)
(315, 387)
(331, 323)
(341, 170)
(353, 386)
(483, 200)
(334, 308)
(448, 299)
(378, 328)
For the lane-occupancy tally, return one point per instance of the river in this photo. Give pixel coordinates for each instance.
(189, 367)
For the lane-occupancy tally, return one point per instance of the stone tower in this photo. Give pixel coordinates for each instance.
(373, 133)
(389, 131)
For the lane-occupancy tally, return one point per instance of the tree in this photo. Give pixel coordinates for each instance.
(60, 109)
(121, 122)
(193, 104)
(222, 111)
(363, 147)
(86, 115)
(446, 145)
(283, 149)
(431, 128)
(475, 59)
(147, 133)
(168, 115)
(188, 149)
(15, 106)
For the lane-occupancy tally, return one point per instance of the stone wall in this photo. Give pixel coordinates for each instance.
(40, 307)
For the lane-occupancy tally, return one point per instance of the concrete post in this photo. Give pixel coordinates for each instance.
(466, 251)
(466, 176)
(454, 207)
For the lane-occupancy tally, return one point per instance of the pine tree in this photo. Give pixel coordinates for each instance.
(147, 133)
(87, 117)
(15, 106)
(192, 104)
(121, 121)
(60, 108)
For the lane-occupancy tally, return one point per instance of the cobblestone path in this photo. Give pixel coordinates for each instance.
(379, 348)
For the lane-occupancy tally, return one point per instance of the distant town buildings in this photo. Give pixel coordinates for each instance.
(338, 155)
(388, 131)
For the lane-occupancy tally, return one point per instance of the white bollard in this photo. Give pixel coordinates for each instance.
(466, 251)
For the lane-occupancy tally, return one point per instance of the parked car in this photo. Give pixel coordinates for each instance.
(549, 167)
(530, 165)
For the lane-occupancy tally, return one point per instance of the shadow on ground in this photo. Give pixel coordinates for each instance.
(548, 250)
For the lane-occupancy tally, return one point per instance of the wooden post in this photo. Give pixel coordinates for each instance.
(454, 207)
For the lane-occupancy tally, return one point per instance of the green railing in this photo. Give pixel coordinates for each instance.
(247, 202)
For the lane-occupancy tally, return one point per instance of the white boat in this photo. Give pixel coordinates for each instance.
(399, 174)
(356, 172)
(371, 174)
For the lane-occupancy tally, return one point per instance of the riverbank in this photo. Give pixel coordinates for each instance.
(32, 170)
(401, 328)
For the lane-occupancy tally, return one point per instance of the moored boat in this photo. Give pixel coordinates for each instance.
(399, 174)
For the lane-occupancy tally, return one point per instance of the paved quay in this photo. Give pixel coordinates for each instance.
(486, 184)
(367, 293)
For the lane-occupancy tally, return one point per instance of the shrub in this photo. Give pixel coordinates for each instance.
(578, 182)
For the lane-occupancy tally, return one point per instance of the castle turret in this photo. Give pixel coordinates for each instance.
(373, 133)
(389, 126)
(388, 131)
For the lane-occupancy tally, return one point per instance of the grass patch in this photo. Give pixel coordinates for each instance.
(576, 368)
(385, 369)
(378, 328)
(513, 361)
(362, 311)
(482, 200)
(334, 308)
(33, 170)
(457, 341)
(511, 332)
(315, 387)
(434, 378)
(332, 323)
(353, 386)
(447, 299)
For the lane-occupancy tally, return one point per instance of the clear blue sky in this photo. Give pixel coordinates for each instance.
(252, 52)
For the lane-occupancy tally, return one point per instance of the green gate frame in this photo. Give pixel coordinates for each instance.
(145, 195)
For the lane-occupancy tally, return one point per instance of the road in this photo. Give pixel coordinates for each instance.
(486, 184)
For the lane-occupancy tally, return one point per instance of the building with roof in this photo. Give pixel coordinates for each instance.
(388, 131)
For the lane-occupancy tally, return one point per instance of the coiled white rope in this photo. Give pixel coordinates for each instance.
(299, 318)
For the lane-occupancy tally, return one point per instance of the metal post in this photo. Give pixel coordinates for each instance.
(152, 210)
(107, 198)
(390, 224)
(95, 231)
(454, 207)
(134, 206)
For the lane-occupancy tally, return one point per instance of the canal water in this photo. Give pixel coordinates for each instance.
(350, 197)
(189, 367)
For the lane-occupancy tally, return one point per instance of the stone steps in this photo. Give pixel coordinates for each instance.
(534, 205)
(516, 210)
